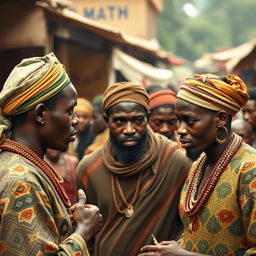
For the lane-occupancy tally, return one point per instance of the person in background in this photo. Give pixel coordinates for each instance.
(85, 135)
(244, 129)
(249, 111)
(37, 102)
(135, 178)
(162, 118)
(65, 165)
(217, 204)
(99, 125)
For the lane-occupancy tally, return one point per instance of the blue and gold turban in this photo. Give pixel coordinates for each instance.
(211, 92)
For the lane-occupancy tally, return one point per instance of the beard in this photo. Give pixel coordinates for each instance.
(128, 154)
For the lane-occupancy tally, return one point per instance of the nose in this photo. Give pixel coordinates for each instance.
(182, 130)
(164, 128)
(75, 120)
(129, 129)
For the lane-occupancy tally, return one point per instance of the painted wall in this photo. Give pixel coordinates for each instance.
(135, 17)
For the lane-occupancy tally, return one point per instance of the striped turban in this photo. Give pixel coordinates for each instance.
(83, 105)
(32, 81)
(162, 97)
(125, 92)
(211, 92)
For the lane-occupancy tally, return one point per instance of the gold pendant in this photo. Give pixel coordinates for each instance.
(129, 212)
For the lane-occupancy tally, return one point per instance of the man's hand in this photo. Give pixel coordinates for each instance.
(86, 216)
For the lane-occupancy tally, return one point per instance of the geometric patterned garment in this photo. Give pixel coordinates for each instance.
(226, 224)
(33, 219)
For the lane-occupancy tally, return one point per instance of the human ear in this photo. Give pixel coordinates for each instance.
(222, 118)
(40, 111)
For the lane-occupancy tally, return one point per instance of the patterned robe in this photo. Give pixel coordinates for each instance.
(226, 225)
(33, 219)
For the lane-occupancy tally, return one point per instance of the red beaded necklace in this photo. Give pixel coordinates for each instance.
(193, 204)
(47, 169)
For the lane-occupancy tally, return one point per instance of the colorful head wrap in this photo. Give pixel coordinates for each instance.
(162, 97)
(125, 92)
(83, 105)
(32, 81)
(211, 92)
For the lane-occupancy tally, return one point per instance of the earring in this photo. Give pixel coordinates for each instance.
(42, 122)
(221, 141)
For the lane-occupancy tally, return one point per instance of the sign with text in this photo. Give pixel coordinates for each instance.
(109, 12)
(135, 17)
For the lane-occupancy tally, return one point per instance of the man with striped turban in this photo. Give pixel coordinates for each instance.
(162, 112)
(218, 203)
(134, 177)
(37, 103)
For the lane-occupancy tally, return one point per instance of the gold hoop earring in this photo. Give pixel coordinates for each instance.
(221, 141)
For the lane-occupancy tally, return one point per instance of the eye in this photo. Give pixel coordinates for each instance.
(139, 120)
(173, 122)
(158, 122)
(118, 120)
(190, 121)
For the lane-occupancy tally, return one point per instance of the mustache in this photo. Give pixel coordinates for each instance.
(131, 137)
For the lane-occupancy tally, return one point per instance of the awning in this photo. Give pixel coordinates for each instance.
(138, 71)
(234, 56)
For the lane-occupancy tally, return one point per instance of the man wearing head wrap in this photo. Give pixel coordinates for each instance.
(217, 204)
(135, 178)
(84, 135)
(99, 125)
(162, 112)
(37, 103)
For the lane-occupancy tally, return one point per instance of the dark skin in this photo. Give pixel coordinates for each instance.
(197, 130)
(98, 122)
(127, 119)
(249, 112)
(45, 128)
(244, 129)
(163, 121)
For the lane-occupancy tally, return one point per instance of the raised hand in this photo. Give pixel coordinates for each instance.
(86, 216)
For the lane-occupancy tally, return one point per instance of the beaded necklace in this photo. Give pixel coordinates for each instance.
(193, 204)
(129, 210)
(47, 169)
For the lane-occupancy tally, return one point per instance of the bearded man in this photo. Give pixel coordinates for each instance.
(135, 178)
